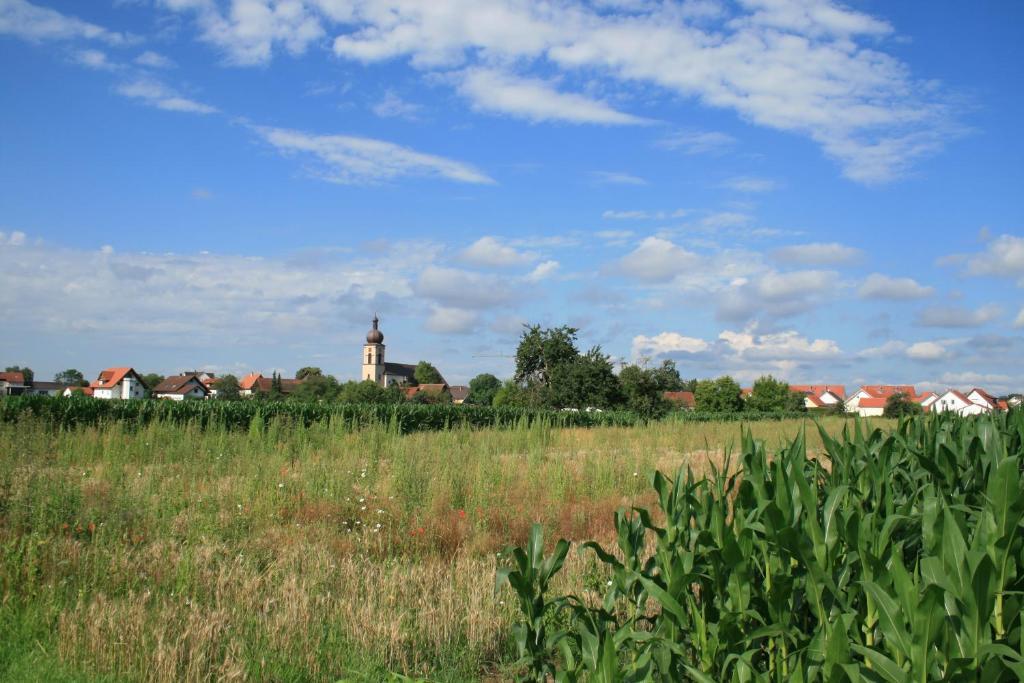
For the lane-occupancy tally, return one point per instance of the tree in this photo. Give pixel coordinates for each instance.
(151, 380)
(542, 351)
(308, 371)
(425, 373)
(900, 405)
(70, 378)
(276, 391)
(643, 390)
(482, 389)
(227, 388)
(26, 371)
(316, 387)
(720, 395)
(667, 376)
(587, 382)
(369, 391)
(837, 408)
(772, 395)
(512, 395)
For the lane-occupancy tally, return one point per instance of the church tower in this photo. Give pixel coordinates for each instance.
(373, 355)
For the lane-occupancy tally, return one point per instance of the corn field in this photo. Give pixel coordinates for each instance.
(403, 418)
(896, 557)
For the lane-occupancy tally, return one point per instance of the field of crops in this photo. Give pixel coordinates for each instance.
(164, 550)
(898, 558)
(404, 418)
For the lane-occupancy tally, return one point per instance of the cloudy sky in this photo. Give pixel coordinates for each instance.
(826, 192)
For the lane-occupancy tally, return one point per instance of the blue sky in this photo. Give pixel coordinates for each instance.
(824, 192)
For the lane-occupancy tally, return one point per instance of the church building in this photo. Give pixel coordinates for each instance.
(376, 369)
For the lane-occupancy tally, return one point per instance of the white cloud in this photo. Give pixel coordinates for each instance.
(444, 320)
(156, 94)
(697, 142)
(34, 23)
(776, 294)
(617, 178)
(748, 184)
(201, 193)
(657, 260)
(542, 271)
(812, 68)
(393, 106)
(927, 350)
(818, 254)
(667, 343)
(94, 59)
(955, 316)
(878, 286)
(889, 349)
(1003, 257)
(1019, 322)
(535, 99)
(15, 239)
(348, 159)
(725, 219)
(454, 288)
(788, 345)
(154, 60)
(492, 252)
(643, 215)
(249, 32)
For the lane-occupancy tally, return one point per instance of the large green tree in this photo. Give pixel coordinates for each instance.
(541, 352)
(666, 376)
(316, 387)
(900, 405)
(482, 389)
(71, 378)
(308, 371)
(425, 373)
(643, 390)
(227, 388)
(773, 395)
(720, 395)
(369, 391)
(26, 371)
(151, 380)
(587, 382)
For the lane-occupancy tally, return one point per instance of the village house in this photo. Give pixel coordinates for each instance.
(118, 383)
(76, 391)
(869, 400)
(820, 395)
(681, 400)
(12, 383)
(180, 387)
(254, 384)
(438, 392)
(459, 394)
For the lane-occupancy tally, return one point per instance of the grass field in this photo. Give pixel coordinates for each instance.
(172, 553)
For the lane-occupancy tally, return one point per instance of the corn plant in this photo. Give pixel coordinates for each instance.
(895, 557)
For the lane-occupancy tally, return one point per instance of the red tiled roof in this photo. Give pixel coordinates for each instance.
(886, 390)
(111, 377)
(249, 380)
(988, 398)
(818, 403)
(819, 389)
(12, 377)
(683, 398)
(1002, 405)
(873, 402)
(179, 384)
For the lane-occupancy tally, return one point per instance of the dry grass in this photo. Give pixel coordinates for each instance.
(173, 554)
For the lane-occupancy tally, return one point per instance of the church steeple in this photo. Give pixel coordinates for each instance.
(373, 354)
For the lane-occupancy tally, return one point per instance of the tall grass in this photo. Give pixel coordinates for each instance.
(163, 551)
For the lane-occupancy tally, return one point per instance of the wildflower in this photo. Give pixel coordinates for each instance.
(361, 500)
(363, 508)
(380, 512)
(636, 474)
(609, 582)
(280, 486)
(462, 514)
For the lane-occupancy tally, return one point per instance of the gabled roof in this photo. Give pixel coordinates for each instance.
(12, 377)
(87, 391)
(112, 377)
(459, 392)
(886, 390)
(958, 394)
(818, 389)
(249, 380)
(426, 389)
(873, 402)
(180, 384)
(683, 398)
(815, 400)
(985, 396)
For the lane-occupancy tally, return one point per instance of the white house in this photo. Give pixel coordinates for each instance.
(180, 387)
(983, 399)
(12, 383)
(869, 400)
(926, 399)
(118, 383)
(954, 401)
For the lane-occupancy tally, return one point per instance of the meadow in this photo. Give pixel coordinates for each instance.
(163, 552)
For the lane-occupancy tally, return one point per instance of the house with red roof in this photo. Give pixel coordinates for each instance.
(820, 395)
(12, 383)
(180, 387)
(953, 401)
(682, 400)
(255, 383)
(870, 399)
(118, 383)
